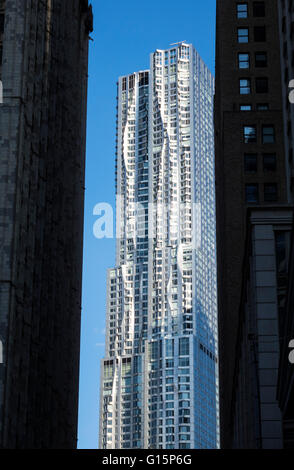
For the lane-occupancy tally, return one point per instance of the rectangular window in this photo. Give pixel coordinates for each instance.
(245, 86)
(270, 192)
(169, 346)
(1, 23)
(259, 34)
(124, 84)
(184, 347)
(268, 135)
(244, 61)
(269, 162)
(242, 10)
(258, 9)
(245, 107)
(261, 85)
(260, 59)
(251, 193)
(243, 35)
(131, 82)
(249, 133)
(262, 107)
(250, 162)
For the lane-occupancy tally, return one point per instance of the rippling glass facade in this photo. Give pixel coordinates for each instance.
(159, 380)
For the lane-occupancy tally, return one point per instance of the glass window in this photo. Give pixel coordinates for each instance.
(262, 107)
(184, 347)
(261, 85)
(268, 135)
(281, 239)
(270, 192)
(245, 86)
(251, 193)
(169, 363)
(259, 34)
(269, 162)
(250, 162)
(249, 133)
(184, 445)
(242, 10)
(1, 22)
(258, 9)
(244, 61)
(243, 35)
(184, 362)
(169, 347)
(260, 59)
(245, 107)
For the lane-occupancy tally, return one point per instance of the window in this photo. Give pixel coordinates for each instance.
(261, 85)
(262, 107)
(169, 347)
(250, 162)
(258, 9)
(242, 10)
(245, 107)
(269, 162)
(244, 61)
(243, 35)
(184, 347)
(1, 23)
(270, 192)
(245, 86)
(268, 135)
(251, 193)
(249, 133)
(260, 59)
(259, 34)
(282, 249)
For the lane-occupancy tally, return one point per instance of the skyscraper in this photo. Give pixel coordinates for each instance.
(253, 220)
(43, 68)
(159, 377)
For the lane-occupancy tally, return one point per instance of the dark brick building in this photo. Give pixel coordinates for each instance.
(250, 173)
(286, 369)
(42, 154)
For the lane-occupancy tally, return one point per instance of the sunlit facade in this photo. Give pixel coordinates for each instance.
(159, 379)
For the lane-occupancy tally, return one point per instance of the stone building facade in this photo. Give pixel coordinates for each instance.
(286, 368)
(250, 162)
(42, 157)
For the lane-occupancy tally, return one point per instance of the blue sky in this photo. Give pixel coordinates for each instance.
(125, 33)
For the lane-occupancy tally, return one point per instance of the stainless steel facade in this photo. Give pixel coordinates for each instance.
(159, 380)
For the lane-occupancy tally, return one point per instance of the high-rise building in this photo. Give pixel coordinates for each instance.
(253, 220)
(44, 62)
(159, 377)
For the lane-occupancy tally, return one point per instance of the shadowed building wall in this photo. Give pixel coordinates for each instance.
(42, 156)
(250, 157)
(286, 370)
